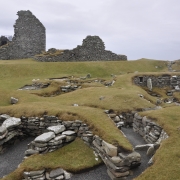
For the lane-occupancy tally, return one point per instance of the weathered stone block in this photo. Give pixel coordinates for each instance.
(109, 149)
(56, 172)
(45, 137)
(11, 122)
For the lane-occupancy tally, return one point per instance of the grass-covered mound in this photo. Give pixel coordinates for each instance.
(122, 96)
(167, 158)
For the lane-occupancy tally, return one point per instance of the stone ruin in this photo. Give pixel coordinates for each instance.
(53, 133)
(170, 83)
(3, 40)
(165, 80)
(29, 38)
(92, 49)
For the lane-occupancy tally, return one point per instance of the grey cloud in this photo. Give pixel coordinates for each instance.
(138, 29)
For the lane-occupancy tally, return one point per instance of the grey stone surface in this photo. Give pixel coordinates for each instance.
(11, 122)
(2, 130)
(69, 133)
(56, 172)
(57, 129)
(92, 49)
(3, 40)
(34, 173)
(14, 100)
(109, 149)
(29, 38)
(45, 137)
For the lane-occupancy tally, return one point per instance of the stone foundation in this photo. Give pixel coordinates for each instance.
(151, 81)
(53, 133)
(152, 133)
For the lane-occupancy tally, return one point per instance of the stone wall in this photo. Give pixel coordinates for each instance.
(53, 133)
(29, 38)
(165, 80)
(3, 40)
(92, 49)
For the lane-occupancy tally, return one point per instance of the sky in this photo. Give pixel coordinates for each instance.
(137, 28)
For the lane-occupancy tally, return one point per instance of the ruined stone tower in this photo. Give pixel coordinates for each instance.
(29, 38)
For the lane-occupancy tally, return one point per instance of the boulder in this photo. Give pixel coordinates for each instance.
(14, 100)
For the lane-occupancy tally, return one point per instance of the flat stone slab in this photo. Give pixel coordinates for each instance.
(33, 173)
(56, 172)
(69, 133)
(58, 138)
(57, 129)
(45, 137)
(11, 122)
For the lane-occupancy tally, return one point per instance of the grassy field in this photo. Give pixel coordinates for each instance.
(122, 96)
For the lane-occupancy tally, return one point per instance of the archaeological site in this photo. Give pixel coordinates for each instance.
(85, 113)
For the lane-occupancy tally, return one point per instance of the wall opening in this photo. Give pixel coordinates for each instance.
(141, 79)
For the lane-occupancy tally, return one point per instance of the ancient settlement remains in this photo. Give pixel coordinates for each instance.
(30, 39)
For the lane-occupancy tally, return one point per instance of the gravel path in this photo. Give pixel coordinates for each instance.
(136, 139)
(13, 156)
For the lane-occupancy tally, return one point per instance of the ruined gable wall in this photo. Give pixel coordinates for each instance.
(29, 38)
(92, 49)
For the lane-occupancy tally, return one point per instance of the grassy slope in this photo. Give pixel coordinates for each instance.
(122, 96)
(167, 158)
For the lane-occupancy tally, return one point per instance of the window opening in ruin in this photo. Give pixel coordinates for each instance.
(3, 43)
(140, 79)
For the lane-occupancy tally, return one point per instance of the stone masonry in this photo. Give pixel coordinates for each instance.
(29, 38)
(52, 133)
(92, 49)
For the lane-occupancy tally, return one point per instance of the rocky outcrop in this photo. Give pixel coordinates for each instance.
(29, 38)
(92, 49)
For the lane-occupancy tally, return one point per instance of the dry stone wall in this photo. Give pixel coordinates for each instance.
(53, 133)
(165, 80)
(92, 49)
(29, 38)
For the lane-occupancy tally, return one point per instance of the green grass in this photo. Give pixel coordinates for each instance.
(122, 96)
(167, 158)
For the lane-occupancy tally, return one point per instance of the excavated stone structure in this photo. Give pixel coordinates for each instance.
(29, 38)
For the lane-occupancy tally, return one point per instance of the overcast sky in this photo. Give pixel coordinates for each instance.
(136, 28)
